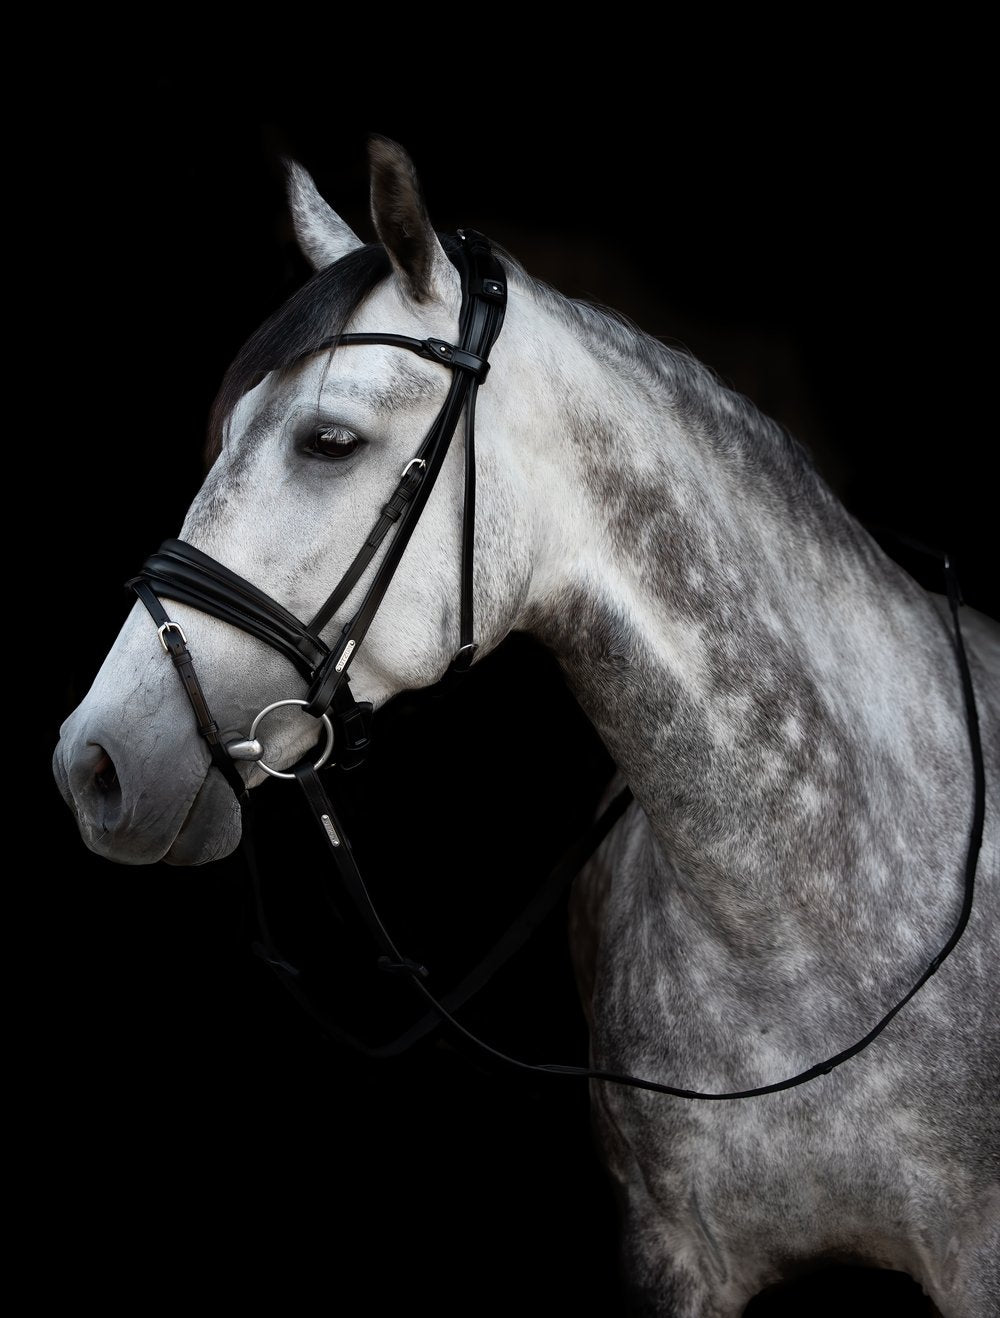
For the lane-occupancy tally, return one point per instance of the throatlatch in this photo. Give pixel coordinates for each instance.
(180, 572)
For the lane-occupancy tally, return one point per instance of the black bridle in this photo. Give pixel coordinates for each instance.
(180, 572)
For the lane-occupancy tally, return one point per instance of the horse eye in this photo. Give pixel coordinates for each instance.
(333, 442)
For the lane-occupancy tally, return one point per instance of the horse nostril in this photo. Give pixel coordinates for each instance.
(105, 774)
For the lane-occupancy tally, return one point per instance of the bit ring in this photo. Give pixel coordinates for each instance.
(324, 719)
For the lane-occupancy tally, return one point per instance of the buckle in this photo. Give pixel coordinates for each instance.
(170, 627)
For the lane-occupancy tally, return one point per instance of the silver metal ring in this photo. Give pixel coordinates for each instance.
(276, 773)
(414, 462)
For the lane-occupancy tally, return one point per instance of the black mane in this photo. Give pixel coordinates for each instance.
(321, 308)
(316, 312)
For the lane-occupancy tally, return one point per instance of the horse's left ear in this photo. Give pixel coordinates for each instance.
(402, 224)
(322, 235)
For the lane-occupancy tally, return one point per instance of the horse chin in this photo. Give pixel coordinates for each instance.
(212, 827)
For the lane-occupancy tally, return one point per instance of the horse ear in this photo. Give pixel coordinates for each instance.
(402, 224)
(322, 235)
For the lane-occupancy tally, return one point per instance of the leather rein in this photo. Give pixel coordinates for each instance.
(182, 573)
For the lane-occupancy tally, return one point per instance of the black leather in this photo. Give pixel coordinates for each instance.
(391, 513)
(462, 661)
(449, 355)
(179, 571)
(177, 648)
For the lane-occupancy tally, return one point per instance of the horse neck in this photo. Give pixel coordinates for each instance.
(782, 699)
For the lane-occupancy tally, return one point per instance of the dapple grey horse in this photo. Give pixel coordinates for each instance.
(782, 699)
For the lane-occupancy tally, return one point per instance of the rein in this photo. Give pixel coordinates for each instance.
(180, 572)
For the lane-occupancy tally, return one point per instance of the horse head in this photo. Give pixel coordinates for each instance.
(307, 443)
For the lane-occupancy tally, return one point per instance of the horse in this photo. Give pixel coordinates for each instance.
(781, 698)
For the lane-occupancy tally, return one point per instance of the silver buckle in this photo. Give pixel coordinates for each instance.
(414, 462)
(170, 627)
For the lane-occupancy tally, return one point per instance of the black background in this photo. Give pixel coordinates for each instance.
(819, 240)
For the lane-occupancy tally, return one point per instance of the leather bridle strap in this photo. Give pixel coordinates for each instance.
(392, 510)
(517, 933)
(181, 572)
(174, 642)
(484, 301)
